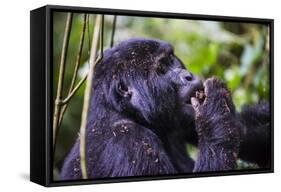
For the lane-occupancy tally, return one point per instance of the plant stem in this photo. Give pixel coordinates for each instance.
(113, 31)
(87, 96)
(57, 107)
(75, 72)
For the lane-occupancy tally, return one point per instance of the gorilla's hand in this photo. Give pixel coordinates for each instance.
(212, 109)
(217, 127)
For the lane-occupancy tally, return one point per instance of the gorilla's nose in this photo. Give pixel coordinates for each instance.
(183, 77)
(193, 80)
(188, 76)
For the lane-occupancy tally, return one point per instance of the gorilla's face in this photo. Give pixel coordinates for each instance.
(149, 83)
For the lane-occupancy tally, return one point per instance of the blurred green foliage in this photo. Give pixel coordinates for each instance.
(238, 53)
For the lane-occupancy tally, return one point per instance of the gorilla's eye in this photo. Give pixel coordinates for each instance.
(164, 63)
(162, 69)
(171, 57)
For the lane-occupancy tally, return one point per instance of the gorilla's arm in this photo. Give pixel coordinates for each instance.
(217, 128)
(255, 135)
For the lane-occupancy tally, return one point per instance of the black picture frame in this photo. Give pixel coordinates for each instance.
(41, 91)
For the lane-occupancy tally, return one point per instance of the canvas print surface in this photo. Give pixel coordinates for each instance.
(137, 96)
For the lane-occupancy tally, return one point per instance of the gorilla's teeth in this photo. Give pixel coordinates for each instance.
(200, 95)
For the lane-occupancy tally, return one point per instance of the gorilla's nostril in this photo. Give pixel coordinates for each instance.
(188, 78)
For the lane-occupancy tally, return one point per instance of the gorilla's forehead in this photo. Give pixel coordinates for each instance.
(137, 54)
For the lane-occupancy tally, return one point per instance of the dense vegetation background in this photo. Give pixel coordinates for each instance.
(238, 53)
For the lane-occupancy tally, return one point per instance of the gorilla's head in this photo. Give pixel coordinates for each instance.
(143, 80)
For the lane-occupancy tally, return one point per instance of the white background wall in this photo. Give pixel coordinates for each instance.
(14, 96)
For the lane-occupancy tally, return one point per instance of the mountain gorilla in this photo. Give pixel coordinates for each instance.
(146, 106)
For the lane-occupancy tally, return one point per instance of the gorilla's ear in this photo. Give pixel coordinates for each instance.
(123, 90)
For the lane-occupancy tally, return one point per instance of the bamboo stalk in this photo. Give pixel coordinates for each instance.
(75, 72)
(87, 95)
(57, 107)
(113, 31)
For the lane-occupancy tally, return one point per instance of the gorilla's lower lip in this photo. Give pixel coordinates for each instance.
(192, 94)
(188, 101)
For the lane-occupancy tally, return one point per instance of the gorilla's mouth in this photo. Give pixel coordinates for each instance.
(198, 93)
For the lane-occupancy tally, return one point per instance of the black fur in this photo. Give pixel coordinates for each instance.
(255, 140)
(141, 117)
